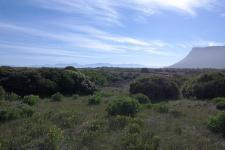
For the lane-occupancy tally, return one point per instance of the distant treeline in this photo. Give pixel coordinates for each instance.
(45, 81)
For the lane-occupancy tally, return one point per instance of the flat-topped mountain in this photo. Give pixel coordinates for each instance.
(207, 57)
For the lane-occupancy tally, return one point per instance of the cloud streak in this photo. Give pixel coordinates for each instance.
(87, 37)
(109, 10)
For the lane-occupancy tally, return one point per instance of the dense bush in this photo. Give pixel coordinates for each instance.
(205, 86)
(2, 93)
(57, 97)
(30, 99)
(142, 99)
(75, 96)
(218, 100)
(123, 106)
(217, 124)
(220, 106)
(94, 100)
(45, 81)
(15, 111)
(156, 88)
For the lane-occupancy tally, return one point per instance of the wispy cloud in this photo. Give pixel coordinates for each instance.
(91, 38)
(35, 50)
(109, 10)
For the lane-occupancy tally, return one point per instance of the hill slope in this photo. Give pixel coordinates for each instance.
(207, 57)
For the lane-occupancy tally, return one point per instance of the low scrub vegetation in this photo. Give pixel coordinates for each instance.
(2, 93)
(156, 88)
(94, 100)
(12, 97)
(30, 99)
(144, 117)
(12, 111)
(57, 97)
(123, 106)
(135, 138)
(217, 124)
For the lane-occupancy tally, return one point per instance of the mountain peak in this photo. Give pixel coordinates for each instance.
(203, 57)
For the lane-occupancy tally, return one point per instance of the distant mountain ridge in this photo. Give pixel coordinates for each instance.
(93, 65)
(206, 57)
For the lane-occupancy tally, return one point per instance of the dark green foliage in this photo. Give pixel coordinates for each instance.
(12, 97)
(70, 68)
(156, 88)
(75, 96)
(57, 97)
(94, 100)
(109, 76)
(123, 106)
(30, 99)
(218, 100)
(221, 106)
(217, 124)
(14, 111)
(142, 99)
(2, 93)
(205, 86)
(45, 81)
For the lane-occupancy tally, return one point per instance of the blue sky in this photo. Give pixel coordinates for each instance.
(148, 32)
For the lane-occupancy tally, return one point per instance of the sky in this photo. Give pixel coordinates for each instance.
(153, 33)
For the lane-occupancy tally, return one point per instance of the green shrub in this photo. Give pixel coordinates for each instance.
(75, 96)
(142, 99)
(27, 111)
(162, 108)
(220, 105)
(57, 97)
(45, 81)
(12, 97)
(15, 111)
(55, 137)
(218, 100)
(156, 88)
(217, 124)
(30, 99)
(123, 106)
(2, 93)
(94, 100)
(9, 114)
(205, 86)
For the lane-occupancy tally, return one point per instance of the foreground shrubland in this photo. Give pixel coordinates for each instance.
(118, 115)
